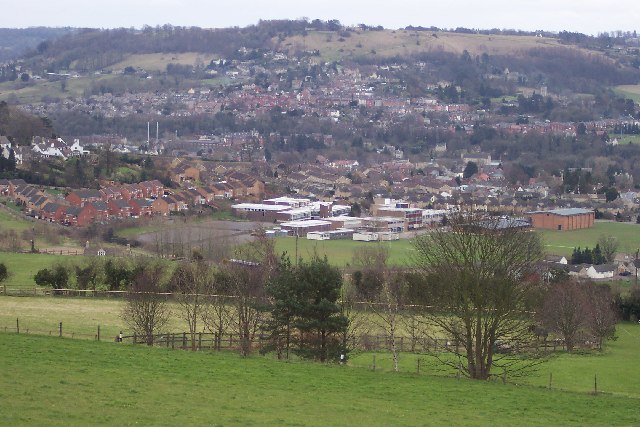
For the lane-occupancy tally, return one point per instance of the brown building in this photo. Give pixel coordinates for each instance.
(563, 219)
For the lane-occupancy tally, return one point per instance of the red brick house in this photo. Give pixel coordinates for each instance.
(141, 207)
(78, 216)
(152, 189)
(111, 193)
(161, 205)
(81, 197)
(132, 191)
(120, 208)
(101, 210)
(52, 212)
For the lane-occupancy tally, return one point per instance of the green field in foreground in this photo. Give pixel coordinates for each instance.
(52, 381)
(575, 372)
(563, 242)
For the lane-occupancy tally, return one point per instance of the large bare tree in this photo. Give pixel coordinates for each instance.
(218, 313)
(565, 310)
(192, 281)
(602, 315)
(246, 275)
(146, 310)
(479, 273)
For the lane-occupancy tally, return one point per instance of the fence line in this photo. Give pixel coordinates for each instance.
(233, 341)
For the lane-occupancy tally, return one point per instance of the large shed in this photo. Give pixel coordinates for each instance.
(563, 219)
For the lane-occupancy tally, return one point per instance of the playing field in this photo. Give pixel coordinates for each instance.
(340, 252)
(563, 242)
(53, 381)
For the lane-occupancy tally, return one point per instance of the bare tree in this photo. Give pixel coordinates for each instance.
(218, 314)
(192, 281)
(358, 325)
(609, 246)
(602, 315)
(565, 310)
(385, 290)
(246, 275)
(146, 310)
(479, 275)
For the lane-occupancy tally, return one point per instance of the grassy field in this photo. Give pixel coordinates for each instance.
(54, 381)
(563, 242)
(22, 267)
(629, 91)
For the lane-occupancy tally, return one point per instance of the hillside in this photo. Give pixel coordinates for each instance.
(335, 45)
(15, 42)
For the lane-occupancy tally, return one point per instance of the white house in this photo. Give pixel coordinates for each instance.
(58, 148)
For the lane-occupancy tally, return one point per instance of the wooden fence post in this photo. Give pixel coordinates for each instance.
(98, 332)
(173, 341)
(199, 341)
(17, 325)
(60, 329)
(418, 369)
(374, 362)
(135, 338)
(184, 340)
(595, 384)
(550, 379)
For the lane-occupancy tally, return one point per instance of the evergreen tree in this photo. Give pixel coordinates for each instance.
(283, 290)
(319, 319)
(598, 257)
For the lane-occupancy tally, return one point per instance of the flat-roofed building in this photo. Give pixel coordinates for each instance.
(287, 201)
(383, 224)
(301, 228)
(563, 219)
(258, 211)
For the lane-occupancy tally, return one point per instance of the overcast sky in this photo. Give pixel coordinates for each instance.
(586, 16)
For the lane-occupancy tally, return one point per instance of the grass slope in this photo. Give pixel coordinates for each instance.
(10, 222)
(69, 382)
(159, 61)
(403, 42)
